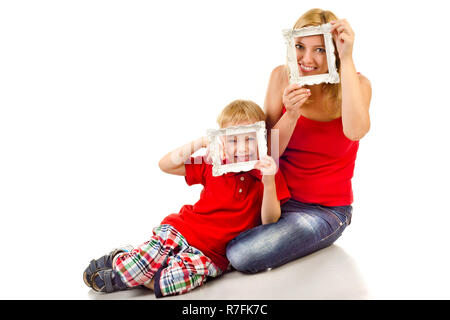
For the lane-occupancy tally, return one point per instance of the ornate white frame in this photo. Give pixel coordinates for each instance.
(215, 147)
(290, 34)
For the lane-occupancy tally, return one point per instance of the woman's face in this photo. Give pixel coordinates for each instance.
(311, 55)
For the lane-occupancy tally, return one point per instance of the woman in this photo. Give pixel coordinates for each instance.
(319, 131)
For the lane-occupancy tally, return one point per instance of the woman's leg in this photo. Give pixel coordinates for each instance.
(301, 230)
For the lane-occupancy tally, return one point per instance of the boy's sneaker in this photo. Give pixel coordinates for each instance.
(107, 281)
(102, 263)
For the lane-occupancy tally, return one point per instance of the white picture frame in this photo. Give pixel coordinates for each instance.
(294, 77)
(215, 147)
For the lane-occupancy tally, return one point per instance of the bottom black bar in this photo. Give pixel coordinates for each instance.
(227, 309)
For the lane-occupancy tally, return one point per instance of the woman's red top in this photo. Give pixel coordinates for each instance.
(318, 163)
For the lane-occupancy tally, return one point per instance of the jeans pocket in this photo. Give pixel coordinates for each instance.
(343, 213)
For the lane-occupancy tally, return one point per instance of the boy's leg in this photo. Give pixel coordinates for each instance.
(184, 272)
(151, 284)
(139, 266)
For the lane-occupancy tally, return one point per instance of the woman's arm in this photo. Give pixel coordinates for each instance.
(173, 162)
(280, 93)
(270, 208)
(356, 89)
(273, 103)
(356, 95)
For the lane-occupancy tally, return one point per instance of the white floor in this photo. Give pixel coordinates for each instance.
(400, 257)
(372, 260)
(329, 274)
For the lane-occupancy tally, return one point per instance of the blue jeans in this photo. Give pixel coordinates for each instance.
(302, 229)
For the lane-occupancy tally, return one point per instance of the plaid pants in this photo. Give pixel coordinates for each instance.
(176, 266)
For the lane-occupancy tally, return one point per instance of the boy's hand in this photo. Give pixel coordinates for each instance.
(267, 166)
(205, 144)
(174, 162)
(221, 148)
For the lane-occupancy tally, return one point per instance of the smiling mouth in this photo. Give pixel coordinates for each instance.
(306, 68)
(241, 158)
(245, 158)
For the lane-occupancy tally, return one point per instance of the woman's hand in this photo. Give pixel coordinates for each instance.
(344, 37)
(294, 96)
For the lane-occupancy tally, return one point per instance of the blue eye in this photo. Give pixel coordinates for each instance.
(299, 46)
(321, 50)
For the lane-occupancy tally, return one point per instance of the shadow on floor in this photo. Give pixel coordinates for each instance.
(327, 274)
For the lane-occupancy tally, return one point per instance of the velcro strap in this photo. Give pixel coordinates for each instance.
(107, 278)
(93, 266)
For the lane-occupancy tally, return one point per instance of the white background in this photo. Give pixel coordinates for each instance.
(94, 93)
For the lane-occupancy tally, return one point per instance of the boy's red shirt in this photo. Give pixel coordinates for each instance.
(229, 204)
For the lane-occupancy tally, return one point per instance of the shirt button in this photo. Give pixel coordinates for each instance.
(242, 178)
(240, 190)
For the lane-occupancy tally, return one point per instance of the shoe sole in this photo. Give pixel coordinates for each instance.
(86, 280)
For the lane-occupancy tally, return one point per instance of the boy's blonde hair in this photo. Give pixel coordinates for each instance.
(238, 111)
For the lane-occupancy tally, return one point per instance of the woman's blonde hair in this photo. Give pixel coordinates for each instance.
(240, 110)
(316, 17)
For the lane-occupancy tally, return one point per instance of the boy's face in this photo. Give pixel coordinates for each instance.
(240, 147)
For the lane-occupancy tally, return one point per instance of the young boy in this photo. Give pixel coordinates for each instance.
(188, 247)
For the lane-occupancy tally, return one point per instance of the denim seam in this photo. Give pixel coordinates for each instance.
(332, 234)
(335, 216)
(340, 224)
(317, 244)
(303, 205)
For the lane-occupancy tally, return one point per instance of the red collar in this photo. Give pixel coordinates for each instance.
(254, 172)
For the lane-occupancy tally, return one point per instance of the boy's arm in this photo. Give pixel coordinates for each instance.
(174, 161)
(270, 209)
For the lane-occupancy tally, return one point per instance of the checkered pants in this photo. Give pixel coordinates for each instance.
(176, 266)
